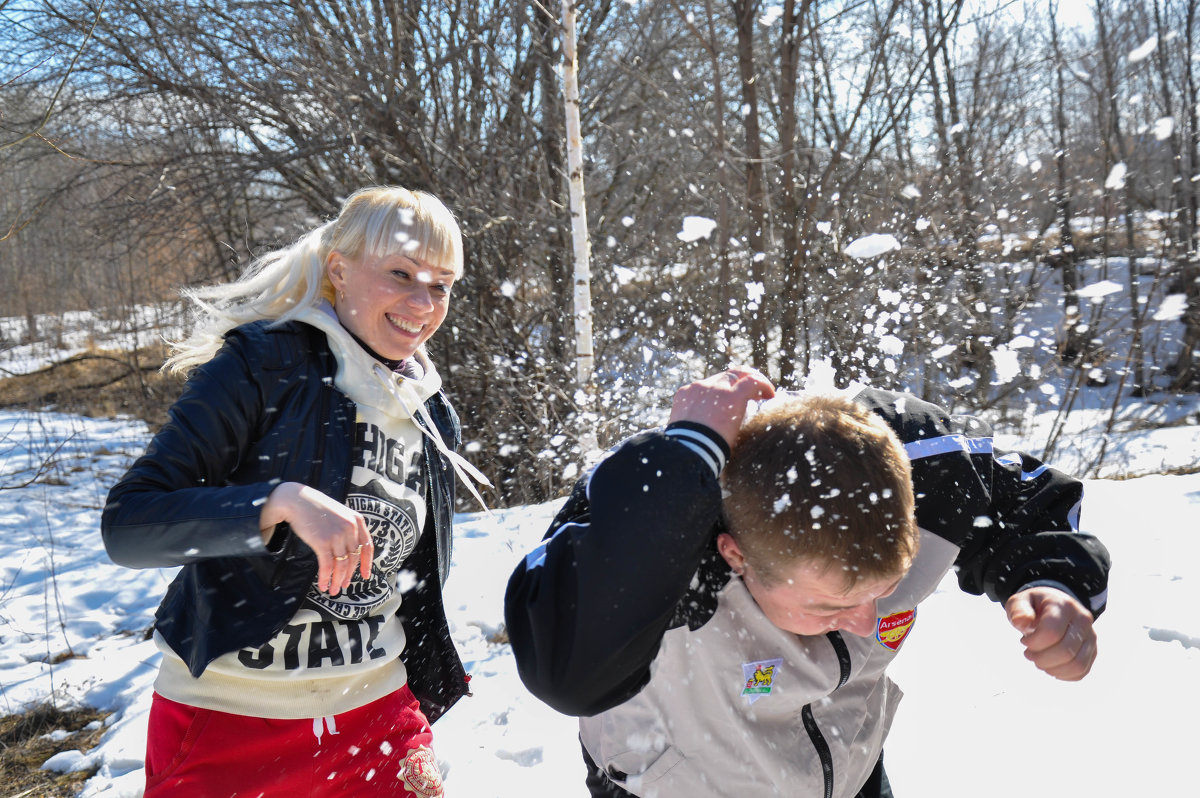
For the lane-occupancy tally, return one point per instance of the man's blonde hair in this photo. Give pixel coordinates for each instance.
(822, 480)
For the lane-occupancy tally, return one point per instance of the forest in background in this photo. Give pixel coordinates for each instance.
(149, 145)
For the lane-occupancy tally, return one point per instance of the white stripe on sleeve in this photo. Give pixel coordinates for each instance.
(931, 447)
(702, 445)
(537, 557)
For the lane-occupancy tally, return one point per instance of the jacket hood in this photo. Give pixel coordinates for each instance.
(368, 382)
(363, 378)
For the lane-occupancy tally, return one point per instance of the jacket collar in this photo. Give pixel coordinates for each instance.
(365, 379)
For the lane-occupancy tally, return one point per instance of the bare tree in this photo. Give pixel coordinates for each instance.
(1119, 182)
(745, 15)
(840, 154)
(1067, 255)
(1185, 151)
(190, 137)
(257, 118)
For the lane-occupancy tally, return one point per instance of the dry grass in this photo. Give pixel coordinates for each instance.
(25, 745)
(99, 383)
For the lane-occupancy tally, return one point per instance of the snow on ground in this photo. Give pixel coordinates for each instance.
(57, 337)
(976, 713)
(977, 717)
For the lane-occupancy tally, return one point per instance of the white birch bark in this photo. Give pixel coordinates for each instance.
(584, 356)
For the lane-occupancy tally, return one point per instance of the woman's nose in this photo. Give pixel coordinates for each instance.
(420, 296)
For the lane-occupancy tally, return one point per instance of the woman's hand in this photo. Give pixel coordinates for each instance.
(335, 533)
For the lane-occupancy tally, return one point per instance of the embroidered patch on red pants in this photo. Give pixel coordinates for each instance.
(893, 629)
(420, 775)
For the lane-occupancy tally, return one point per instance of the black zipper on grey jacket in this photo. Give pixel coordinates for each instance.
(810, 723)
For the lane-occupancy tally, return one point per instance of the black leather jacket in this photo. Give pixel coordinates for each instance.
(264, 410)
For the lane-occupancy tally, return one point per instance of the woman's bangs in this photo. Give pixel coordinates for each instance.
(408, 232)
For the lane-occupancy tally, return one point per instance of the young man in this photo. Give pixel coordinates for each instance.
(738, 646)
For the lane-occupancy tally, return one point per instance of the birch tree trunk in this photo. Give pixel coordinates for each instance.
(584, 356)
(585, 393)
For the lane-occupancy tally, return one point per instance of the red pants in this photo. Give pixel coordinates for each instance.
(381, 749)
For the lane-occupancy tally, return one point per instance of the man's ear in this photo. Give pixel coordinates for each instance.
(731, 552)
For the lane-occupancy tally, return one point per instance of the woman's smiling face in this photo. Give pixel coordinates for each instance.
(392, 303)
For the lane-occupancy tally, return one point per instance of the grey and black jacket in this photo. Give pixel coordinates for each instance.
(265, 410)
(626, 616)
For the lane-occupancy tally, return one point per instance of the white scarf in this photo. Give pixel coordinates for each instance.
(368, 382)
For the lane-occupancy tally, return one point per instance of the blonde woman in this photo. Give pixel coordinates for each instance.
(305, 483)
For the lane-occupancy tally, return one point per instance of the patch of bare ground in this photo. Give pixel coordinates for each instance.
(100, 383)
(28, 740)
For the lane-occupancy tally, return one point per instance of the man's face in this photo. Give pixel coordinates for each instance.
(811, 598)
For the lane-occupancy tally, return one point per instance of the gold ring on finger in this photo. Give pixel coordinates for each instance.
(343, 557)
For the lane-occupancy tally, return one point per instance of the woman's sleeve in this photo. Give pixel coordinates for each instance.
(587, 609)
(174, 505)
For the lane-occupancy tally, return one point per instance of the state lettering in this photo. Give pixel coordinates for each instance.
(320, 644)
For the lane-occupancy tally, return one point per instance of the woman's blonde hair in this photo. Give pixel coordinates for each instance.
(283, 284)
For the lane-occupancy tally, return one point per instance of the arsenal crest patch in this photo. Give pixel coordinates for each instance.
(420, 775)
(760, 678)
(893, 629)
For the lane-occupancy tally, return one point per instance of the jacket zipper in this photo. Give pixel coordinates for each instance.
(820, 744)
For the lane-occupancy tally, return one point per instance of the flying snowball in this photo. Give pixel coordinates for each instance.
(872, 246)
(1172, 308)
(1143, 50)
(1116, 177)
(891, 345)
(1022, 342)
(695, 228)
(1007, 367)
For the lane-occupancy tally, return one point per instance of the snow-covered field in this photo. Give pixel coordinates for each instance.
(978, 719)
(976, 712)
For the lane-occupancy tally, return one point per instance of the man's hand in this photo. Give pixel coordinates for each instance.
(719, 402)
(1056, 631)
